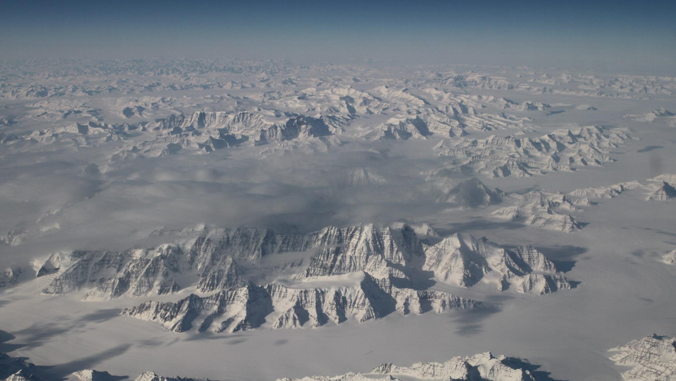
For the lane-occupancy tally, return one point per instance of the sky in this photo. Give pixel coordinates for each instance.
(616, 35)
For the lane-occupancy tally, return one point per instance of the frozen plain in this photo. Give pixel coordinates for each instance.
(365, 145)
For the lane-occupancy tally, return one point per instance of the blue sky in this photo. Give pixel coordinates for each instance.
(620, 35)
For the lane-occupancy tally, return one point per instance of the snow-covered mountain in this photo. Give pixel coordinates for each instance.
(482, 366)
(670, 257)
(216, 260)
(471, 193)
(377, 267)
(465, 261)
(351, 193)
(661, 191)
(650, 358)
(213, 257)
(276, 306)
(93, 375)
(542, 209)
(650, 117)
(561, 150)
(610, 191)
(152, 376)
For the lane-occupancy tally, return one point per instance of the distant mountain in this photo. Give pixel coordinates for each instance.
(482, 366)
(471, 193)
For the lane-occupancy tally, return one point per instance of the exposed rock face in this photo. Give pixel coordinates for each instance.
(204, 132)
(241, 122)
(112, 274)
(220, 275)
(422, 230)
(210, 131)
(465, 261)
(252, 306)
(651, 358)
(296, 127)
(380, 251)
(539, 209)
(213, 256)
(396, 128)
(482, 366)
(248, 244)
(340, 250)
(384, 257)
(155, 271)
(471, 194)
